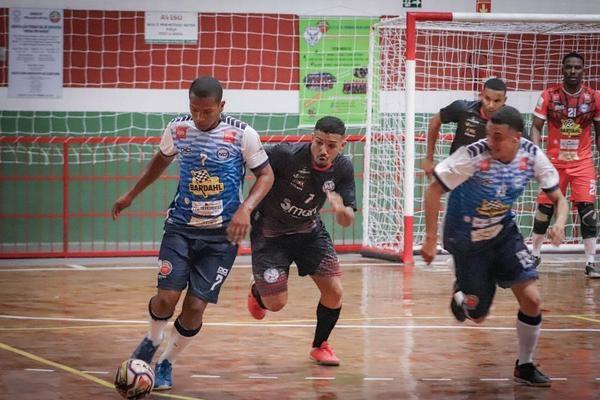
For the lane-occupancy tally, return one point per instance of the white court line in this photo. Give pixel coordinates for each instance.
(320, 378)
(206, 376)
(76, 266)
(311, 325)
(378, 379)
(262, 377)
(494, 379)
(39, 370)
(558, 379)
(436, 379)
(96, 372)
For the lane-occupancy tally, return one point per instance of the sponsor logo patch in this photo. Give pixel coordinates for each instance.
(222, 154)
(181, 132)
(271, 275)
(328, 186)
(471, 301)
(165, 267)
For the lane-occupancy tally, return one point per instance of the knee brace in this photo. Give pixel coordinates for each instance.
(543, 215)
(588, 220)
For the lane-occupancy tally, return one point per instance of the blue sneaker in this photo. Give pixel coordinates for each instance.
(163, 374)
(145, 350)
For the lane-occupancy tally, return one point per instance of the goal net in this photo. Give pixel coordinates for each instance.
(450, 57)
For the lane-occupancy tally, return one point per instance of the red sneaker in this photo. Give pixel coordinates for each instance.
(253, 307)
(324, 355)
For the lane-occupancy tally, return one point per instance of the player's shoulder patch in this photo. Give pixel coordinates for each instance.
(181, 118)
(233, 122)
(475, 149)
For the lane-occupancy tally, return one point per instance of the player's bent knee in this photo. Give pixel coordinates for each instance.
(589, 220)
(543, 215)
(164, 304)
(275, 303)
(531, 305)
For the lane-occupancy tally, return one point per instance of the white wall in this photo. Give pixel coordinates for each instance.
(317, 7)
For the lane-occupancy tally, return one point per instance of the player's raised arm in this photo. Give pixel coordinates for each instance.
(344, 215)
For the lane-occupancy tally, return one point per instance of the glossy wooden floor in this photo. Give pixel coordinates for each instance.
(66, 324)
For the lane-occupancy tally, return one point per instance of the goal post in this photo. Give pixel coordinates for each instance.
(422, 62)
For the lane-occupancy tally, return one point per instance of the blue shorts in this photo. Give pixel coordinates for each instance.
(199, 258)
(503, 261)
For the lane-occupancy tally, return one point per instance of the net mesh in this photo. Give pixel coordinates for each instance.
(453, 60)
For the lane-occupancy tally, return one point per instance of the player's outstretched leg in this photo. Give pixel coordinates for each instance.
(148, 346)
(327, 317)
(254, 302)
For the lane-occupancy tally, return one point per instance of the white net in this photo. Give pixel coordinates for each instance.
(453, 60)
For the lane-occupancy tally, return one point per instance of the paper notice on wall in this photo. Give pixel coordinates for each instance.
(171, 27)
(35, 52)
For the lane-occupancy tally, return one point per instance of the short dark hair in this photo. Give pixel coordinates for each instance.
(207, 86)
(495, 84)
(331, 124)
(510, 116)
(573, 55)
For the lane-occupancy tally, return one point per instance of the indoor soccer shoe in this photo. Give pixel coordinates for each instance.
(163, 376)
(530, 375)
(324, 355)
(537, 261)
(253, 307)
(145, 350)
(591, 271)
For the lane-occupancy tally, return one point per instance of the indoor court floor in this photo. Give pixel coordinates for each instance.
(66, 324)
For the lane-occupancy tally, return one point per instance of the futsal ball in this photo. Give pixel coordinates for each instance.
(134, 379)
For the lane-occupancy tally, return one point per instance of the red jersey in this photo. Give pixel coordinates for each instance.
(569, 118)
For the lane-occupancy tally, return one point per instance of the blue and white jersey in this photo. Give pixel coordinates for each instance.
(484, 189)
(211, 169)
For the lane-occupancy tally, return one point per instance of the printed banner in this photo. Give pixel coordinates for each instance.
(334, 55)
(35, 53)
(171, 27)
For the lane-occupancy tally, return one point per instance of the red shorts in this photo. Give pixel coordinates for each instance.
(581, 177)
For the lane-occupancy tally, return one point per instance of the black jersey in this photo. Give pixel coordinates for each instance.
(470, 123)
(298, 193)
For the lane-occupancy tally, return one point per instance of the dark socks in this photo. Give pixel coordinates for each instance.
(326, 320)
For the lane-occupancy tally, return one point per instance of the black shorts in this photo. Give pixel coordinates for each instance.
(312, 252)
(199, 259)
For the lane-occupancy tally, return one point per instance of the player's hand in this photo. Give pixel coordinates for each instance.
(429, 249)
(239, 225)
(336, 201)
(556, 233)
(120, 204)
(427, 166)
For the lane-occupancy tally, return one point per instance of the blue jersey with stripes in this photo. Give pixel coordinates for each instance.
(484, 189)
(211, 169)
